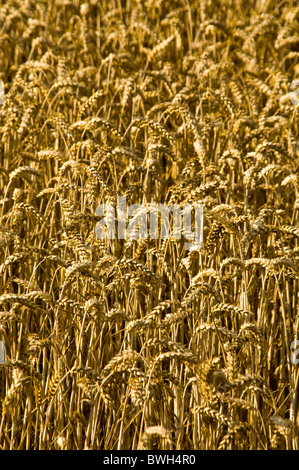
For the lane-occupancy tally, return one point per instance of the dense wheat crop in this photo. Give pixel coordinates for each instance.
(140, 343)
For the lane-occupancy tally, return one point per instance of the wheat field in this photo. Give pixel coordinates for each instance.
(131, 344)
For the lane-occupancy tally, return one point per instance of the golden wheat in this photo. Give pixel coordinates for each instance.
(138, 343)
